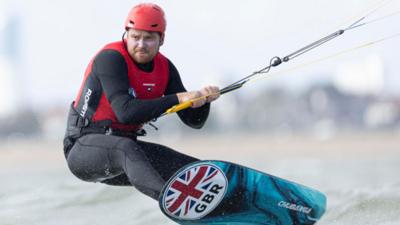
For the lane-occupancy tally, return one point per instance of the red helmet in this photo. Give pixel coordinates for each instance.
(146, 16)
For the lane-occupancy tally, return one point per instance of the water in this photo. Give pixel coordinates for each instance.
(362, 185)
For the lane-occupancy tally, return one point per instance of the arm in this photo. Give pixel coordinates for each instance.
(193, 117)
(110, 68)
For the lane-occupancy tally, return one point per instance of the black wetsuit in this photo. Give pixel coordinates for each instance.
(121, 159)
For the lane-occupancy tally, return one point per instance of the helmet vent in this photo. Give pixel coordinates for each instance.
(156, 8)
(154, 25)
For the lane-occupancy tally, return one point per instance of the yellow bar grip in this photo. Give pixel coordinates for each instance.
(179, 107)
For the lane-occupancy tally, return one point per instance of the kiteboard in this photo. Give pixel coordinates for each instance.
(219, 193)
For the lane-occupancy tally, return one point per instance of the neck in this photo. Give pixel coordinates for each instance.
(146, 67)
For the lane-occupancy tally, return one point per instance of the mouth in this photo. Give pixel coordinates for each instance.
(141, 50)
(142, 53)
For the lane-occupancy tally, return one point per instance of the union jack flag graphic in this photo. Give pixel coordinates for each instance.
(187, 189)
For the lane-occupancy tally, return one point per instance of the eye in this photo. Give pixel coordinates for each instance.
(148, 38)
(135, 37)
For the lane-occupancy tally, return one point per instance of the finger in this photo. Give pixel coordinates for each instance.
(198, 103)
(206, 90)
(215, 93)
(212, 89)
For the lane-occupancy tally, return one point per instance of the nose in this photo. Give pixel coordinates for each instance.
(140, 43)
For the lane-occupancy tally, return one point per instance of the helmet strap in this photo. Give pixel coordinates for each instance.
(123, 38)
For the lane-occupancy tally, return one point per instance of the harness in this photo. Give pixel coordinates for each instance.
(78, 126)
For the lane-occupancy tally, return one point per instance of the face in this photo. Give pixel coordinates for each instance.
(142, 45)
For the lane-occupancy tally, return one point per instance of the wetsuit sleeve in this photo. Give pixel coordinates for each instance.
(194, 118)
(111, 69)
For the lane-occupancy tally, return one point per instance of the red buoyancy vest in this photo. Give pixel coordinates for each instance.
(145, 85)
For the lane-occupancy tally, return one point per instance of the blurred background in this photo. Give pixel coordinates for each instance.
(328, 124)
(46, 45)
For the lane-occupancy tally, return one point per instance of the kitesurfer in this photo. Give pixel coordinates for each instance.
(127, 84)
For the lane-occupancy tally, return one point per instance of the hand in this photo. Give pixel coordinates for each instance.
(196, 96)
(210, 92)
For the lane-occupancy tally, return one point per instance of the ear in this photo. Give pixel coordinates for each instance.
(162, 39)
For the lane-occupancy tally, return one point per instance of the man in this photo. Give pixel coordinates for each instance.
(127, 84)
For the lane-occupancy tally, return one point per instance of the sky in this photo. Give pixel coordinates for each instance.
(210, 42)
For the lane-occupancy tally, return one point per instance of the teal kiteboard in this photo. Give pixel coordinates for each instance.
(223, 193)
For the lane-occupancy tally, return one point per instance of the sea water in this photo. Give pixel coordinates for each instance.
(360, 191)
